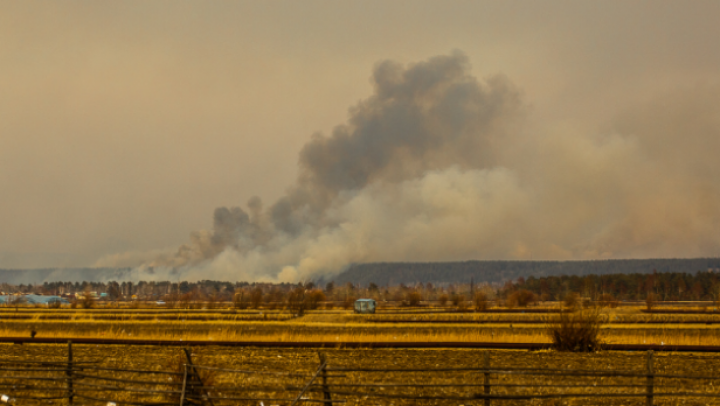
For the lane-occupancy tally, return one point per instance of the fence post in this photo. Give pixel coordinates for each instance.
(650, 373)
(201, 391)
(68, 372)
(326, 393)
(486, 376)
(184, 384)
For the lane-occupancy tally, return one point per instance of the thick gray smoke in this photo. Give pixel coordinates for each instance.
(437, 165)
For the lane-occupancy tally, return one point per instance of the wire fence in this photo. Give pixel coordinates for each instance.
(91, 382)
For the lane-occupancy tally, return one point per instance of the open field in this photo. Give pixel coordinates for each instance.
(623, 325)
(306, 362)
(317, 332)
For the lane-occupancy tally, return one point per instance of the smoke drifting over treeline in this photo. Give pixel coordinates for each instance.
(438, 165)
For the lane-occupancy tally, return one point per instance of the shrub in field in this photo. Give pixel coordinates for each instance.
(212, 302)
(239, 300)
(184, 300)
(87, 301)
(296, 300)
(349, 302)
(398, 296)
(607, 300)
(171, 300)
(256, 297)
(456, 299)
(480, 301)
(443, 299)
(577, 331)
(412, 298)
(521, 298)
(571, 300)
(650, 301)
(313, 299)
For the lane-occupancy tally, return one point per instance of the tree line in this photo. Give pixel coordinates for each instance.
(669, 286)
(395, 273)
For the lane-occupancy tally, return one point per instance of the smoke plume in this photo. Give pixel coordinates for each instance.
(438, 165)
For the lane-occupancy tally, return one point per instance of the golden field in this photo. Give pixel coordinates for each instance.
(307, 361)
(624, 325)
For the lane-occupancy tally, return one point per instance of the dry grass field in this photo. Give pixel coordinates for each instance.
(307, 361)
(623, 325)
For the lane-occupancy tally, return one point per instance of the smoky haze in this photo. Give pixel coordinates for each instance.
(437, 165)
(296, 138)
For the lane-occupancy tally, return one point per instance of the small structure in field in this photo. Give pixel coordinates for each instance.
(365, 306)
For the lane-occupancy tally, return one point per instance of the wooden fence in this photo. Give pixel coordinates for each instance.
(74, 382)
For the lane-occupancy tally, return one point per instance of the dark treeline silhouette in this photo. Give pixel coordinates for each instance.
(408, 273)
(521, 292)
(672, 286)
(394, 273)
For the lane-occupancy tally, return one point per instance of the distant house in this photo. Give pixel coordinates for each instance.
(365, 306)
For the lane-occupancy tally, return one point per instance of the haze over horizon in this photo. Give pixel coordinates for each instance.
(307, 136)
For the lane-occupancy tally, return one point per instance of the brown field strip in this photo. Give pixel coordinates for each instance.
(368, 345)
(531, 321)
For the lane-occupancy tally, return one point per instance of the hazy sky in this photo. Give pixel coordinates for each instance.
(124, 125)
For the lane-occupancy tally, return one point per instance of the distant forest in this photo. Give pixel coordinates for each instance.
(665, 280)
(410, 273)
(671, 286)
(665, 286)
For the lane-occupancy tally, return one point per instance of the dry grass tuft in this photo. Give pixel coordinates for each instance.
(480, 301)
(577, 331)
